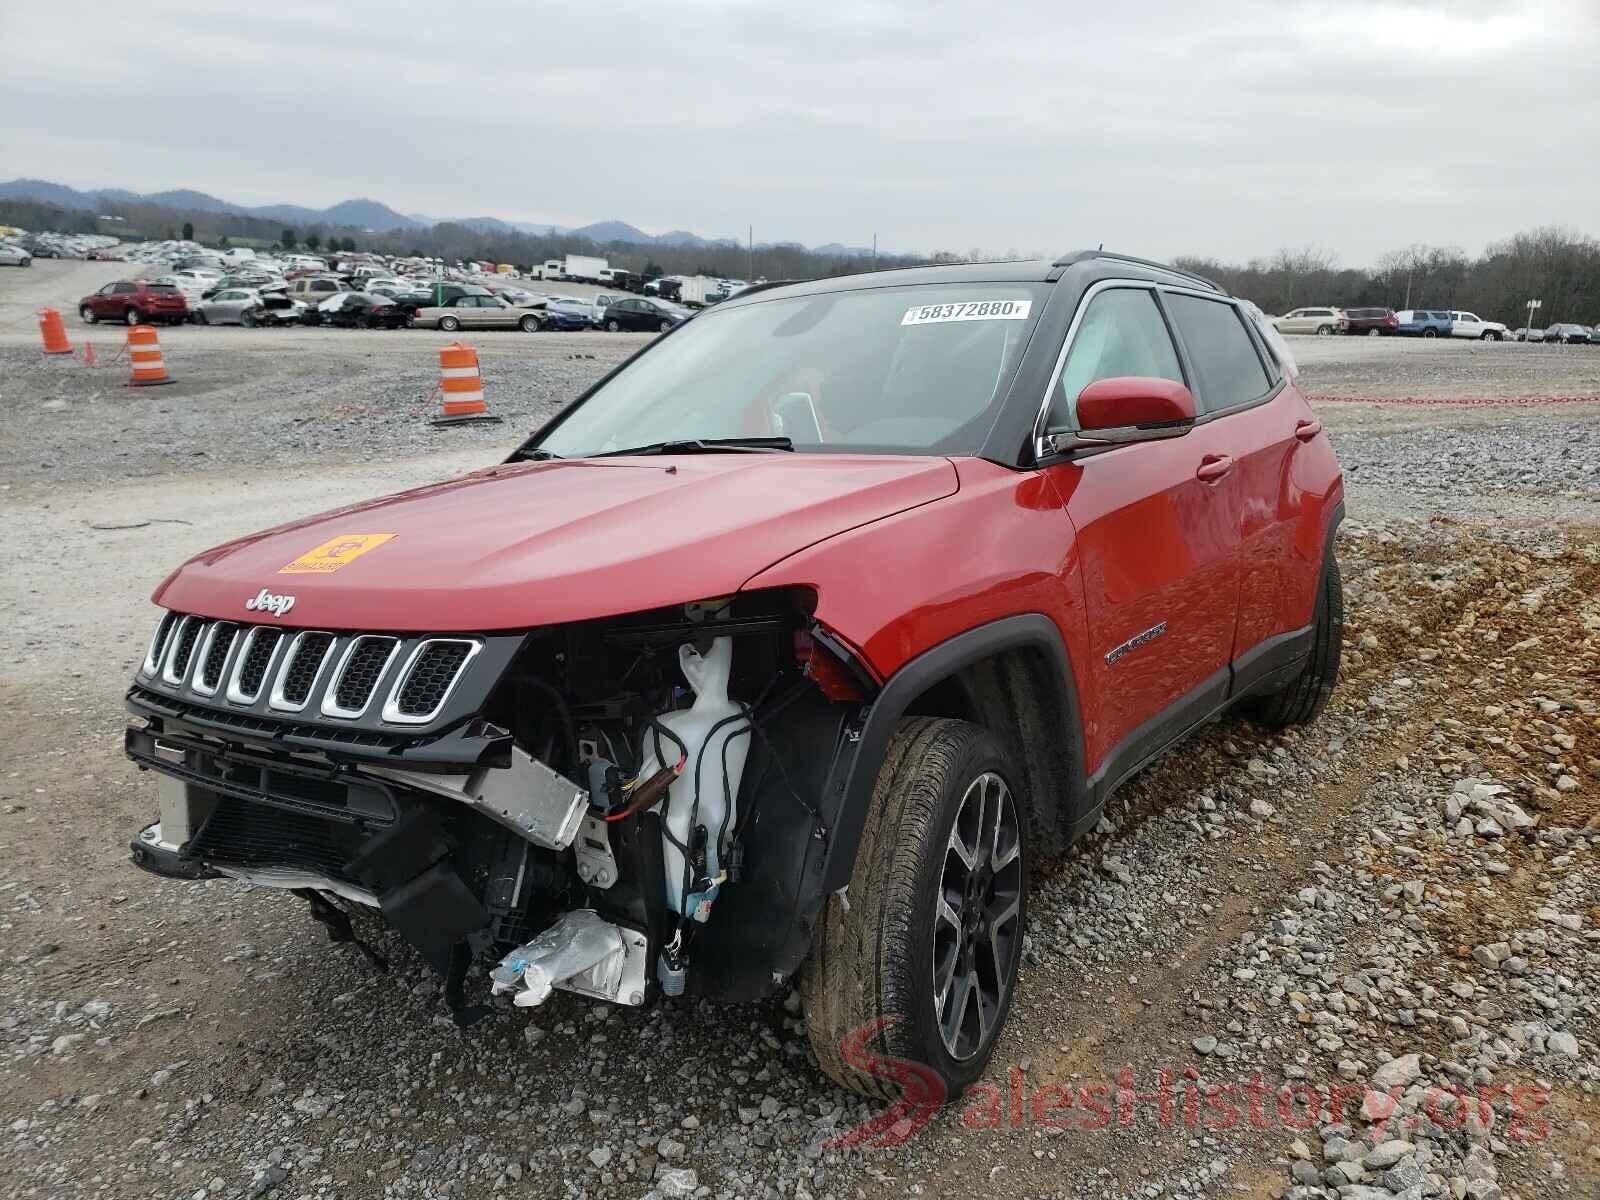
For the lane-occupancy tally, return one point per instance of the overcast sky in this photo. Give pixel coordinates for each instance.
(1159, 127)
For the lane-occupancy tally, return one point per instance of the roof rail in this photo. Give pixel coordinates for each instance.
(1078, 256)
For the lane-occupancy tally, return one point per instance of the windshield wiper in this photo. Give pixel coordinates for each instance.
(736, 445)
(532, 454)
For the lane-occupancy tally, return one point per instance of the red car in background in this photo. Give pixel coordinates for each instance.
(1373, 322)
(784, 651)
(135, 302)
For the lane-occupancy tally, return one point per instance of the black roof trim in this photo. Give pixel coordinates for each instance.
(1078, 256)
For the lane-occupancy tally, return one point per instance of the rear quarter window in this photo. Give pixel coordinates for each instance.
(164, 288)
(1225, 361)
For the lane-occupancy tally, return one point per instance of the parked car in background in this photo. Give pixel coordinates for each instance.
(1569, 334)
(1422, 322)
(249, 307)
(477, 312)
(568, 312)
(1324, 321)
(641, 315)
(1371, 321)
(1526, 334)
(312, 290)
(362, 310)
(1470, 325)
(135, 302)
(14, 256)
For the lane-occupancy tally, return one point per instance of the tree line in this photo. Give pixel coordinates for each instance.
(1552, 264)
(1557, 266)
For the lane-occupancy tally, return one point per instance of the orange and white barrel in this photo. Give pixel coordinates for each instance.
(144, 355)
(53, 332)
(460, 386)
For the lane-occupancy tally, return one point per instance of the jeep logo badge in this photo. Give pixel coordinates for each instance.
(265, 601)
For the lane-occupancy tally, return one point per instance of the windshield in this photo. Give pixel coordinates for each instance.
(915, 370)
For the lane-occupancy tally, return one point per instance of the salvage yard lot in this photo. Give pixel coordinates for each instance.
(1299, 907)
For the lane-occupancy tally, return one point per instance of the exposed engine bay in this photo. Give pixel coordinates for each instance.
(619, 808)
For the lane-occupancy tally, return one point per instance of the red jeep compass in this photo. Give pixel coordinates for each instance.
(783, 651)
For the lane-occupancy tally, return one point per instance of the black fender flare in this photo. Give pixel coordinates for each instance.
(855, 774)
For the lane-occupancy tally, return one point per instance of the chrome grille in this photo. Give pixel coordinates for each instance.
(428, 678)
(182, 650)
(356, 678)
(214, 656)
(306, 656)
(261, 644)
(367, 677)
(158, 642)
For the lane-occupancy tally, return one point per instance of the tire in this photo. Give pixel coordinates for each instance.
(874, 959)
(86, 314)
(1430, 333)
(449, 324)
(1324, 330)
(529, 324)
(132, 317)
(613, 327)
(1490, 336)
(200, 318)
(666, 327)
(1307, 695)
(248, 319)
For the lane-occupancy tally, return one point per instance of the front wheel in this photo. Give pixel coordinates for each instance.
(1491, 336)
(1307, 695)
(921, 964)
(449, 324)
(666, 326)
(1374, 333)
(529, 324)
(86, 314)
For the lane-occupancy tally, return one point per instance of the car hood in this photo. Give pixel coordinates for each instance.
(531, 544)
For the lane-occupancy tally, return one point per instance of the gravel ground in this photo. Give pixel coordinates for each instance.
(1402, 898)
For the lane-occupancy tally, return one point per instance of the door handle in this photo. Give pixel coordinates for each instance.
(1306, 430)
(1213, 467)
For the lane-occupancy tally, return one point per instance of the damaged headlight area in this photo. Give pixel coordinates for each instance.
(619, 808)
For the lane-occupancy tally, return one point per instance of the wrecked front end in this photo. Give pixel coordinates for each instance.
(620, 808)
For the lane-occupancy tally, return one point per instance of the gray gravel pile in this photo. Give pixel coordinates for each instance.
(372, 399)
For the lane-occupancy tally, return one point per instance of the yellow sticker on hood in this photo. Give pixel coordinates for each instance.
(335, 553)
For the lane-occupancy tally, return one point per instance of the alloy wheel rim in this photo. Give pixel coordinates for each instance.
(977, 917)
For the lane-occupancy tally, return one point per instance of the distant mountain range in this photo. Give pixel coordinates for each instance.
(370, 215)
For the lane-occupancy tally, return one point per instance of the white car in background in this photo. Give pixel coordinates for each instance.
(14, 256)
(1324, 321)
(1470, 325)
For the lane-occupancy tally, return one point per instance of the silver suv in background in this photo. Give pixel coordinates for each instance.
(1324, 321)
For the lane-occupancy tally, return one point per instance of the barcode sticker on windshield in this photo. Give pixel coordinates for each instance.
(969, 310)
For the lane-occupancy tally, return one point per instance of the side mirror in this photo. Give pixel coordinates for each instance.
(1124, 409)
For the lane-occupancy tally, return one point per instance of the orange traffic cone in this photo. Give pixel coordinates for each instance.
(88, 355)
(461, 386)
(144, 352)
(55, 333)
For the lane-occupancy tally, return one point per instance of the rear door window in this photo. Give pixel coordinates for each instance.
(1221, 352)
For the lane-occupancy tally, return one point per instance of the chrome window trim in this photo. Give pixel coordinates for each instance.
(203, 652)
(174, 640)
(391, 705)
(330, 700)
(1041, 420)
(242, 652)
(151, 664)
(276, 701)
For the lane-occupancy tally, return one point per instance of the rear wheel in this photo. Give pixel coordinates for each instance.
(613, 327)
(1430, 333)
(1307, 695)
(248, 318)
(1374, 333)
(921, 964)
(200, 317)
(132, 317)
(1324, 330)
(449, 324)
